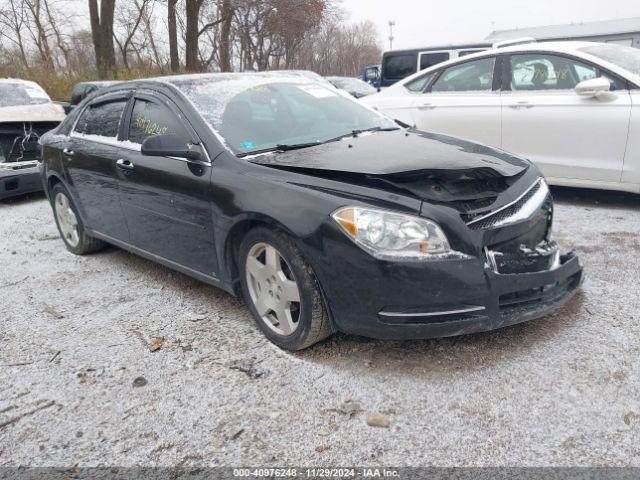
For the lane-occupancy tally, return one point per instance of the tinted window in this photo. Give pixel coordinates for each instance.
(421, 83)
(399, 66)
(101, 119)
(551, 72)
(149, 118)
(467, 77)
(430, 59)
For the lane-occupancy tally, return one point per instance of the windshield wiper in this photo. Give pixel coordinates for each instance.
(373, 129)
(355, 133)
(283, 147)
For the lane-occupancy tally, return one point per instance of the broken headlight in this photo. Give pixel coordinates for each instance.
(392, 236)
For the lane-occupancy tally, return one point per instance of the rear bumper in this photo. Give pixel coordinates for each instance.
(19, 182)
(438, 299)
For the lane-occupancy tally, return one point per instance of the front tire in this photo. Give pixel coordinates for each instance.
(70, 225)
(281, 291)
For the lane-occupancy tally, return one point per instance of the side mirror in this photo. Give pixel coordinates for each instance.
(593, 87)
(170, 146)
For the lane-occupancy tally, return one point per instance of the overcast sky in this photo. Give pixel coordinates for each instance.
(426, 22)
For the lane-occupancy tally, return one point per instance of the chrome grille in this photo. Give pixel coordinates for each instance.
(521, 209)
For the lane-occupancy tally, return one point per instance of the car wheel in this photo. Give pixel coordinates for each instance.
(69, 224)
(281, 290)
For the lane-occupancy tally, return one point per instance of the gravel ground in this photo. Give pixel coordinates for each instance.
(79, 385)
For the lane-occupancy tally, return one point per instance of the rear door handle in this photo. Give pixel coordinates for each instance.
(523, 104)
(68, 152)
(125, 164)
(426, 106)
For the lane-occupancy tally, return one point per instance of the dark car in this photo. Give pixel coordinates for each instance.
(324, 215)
(82, 90)
(354, 86)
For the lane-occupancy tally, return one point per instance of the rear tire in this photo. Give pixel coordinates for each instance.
(281, 290)
(70, 224)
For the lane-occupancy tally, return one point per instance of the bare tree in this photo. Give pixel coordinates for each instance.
(102, 32)
(226, 12)
(37, 29)
(13, 19)
(173, 35)
(129, 20)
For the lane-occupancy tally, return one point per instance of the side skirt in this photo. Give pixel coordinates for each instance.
(210, 280)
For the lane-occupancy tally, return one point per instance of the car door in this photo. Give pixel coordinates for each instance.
(565, 134)
(463, 101)
(166, 199)
(89, 159)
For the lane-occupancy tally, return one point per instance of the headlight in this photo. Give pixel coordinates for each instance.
(392, 236)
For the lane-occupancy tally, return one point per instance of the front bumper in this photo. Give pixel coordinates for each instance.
(19, 181)
(439, 298)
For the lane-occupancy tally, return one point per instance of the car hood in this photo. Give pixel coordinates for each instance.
(396, 152)
(46, 112)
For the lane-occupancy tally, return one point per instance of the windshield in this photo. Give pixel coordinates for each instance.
(254, 112)
(352, 85)
(623, 57)
(22, 93)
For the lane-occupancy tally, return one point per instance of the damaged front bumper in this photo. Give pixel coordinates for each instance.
(393, 300)
(19, 178)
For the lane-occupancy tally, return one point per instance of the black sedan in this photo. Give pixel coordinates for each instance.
(323, 214)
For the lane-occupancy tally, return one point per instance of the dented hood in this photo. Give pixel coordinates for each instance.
(389, 153)
(46, 112)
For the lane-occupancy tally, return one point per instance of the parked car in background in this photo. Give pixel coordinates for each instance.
(399, 64)
(354, 86)
(572, 108)
(308, 74)
(26, 113)
(371, 75)
(322, 213)
(82, 90)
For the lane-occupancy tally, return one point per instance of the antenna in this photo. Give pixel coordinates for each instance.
(392, 23)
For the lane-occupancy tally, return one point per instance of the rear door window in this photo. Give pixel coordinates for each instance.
(430, 59)
(150, 118)
(474, 76)
(102, 119)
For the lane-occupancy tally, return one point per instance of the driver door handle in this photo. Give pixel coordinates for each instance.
(68, 152)
(522, 104)
(426, 106)
(125, 164)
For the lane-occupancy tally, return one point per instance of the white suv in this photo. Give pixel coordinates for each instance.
(573, 108)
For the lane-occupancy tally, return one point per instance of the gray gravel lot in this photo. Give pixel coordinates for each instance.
(74, 336)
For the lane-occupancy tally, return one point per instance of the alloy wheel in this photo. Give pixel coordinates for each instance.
(67, 219)
(273, 289)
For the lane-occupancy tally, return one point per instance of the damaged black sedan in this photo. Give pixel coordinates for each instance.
(324, 215)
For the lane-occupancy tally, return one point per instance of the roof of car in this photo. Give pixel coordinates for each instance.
(450, 46)
(573, 30)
